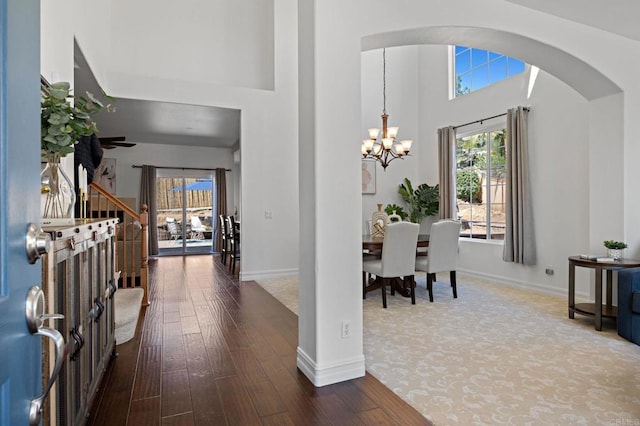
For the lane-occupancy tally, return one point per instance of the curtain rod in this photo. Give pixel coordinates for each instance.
(135, 166)
(484, 119)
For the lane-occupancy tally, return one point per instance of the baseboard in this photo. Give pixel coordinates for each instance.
(522, 285)
(263, 275)
(328, 375)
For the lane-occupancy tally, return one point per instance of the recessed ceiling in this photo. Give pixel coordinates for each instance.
(144, 121)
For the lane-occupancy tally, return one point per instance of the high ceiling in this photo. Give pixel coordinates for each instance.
(143, 121)
(615, 16)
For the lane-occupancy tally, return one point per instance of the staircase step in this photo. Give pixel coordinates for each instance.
(127, 310)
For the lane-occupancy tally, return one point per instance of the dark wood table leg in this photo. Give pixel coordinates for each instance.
(598, 306)
(609, 289)
(572, 289)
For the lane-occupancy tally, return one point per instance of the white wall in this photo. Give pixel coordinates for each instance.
(163, 72)
(337, 37)
(403, 108)
(162, 155)
(560, 124)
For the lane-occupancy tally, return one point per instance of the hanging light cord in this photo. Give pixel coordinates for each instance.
(384, 81)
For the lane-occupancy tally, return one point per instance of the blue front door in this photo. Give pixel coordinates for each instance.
(20, 359)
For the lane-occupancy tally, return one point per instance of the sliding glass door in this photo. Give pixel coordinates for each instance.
(185, 200)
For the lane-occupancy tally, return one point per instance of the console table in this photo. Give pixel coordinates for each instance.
(597, 309)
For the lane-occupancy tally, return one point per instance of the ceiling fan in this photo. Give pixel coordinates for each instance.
(114, 142)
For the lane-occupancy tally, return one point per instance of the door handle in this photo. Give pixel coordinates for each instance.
(35, 321)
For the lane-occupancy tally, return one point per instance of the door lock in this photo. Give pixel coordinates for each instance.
(38, 242)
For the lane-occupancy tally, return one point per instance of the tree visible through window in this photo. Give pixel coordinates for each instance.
(480, 186)
(477, 68)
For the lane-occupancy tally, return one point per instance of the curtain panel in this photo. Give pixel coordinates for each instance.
(148, 197)
(447, 172)
(519, 243)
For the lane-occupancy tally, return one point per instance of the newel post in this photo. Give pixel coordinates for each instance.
(144, 252)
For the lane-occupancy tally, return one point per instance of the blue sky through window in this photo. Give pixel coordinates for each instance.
(478, 68)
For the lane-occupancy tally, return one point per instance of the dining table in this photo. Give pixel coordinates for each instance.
(372, 245)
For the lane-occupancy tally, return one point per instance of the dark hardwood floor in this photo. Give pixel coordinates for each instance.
(211, 350)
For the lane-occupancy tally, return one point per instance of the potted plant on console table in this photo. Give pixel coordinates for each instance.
(61, 126)
(615, 249)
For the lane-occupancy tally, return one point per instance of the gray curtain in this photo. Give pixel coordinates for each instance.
(221, 203)
(519, 242)
(447, 171)
(148, 197)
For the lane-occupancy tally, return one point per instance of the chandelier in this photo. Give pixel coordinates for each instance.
(386, 149)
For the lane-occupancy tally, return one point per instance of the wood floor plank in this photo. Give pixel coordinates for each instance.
(145, 412)
(237, 405)
(176, 395)
(281, 419)
(354, 397)
(247, 366)
(147, 382)
(265, 398)
(205, 399)
(211, 350)
(391, 403)
(185, 419)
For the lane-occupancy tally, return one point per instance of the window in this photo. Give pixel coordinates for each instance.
(480, 186)
(477, 68)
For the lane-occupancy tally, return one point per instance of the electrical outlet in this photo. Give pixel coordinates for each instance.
(549, 270)
(268, 214)
(346, 329)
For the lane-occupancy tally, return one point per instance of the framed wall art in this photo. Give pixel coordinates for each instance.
(368, 176)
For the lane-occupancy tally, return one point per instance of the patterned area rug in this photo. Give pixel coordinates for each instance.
(496, 355)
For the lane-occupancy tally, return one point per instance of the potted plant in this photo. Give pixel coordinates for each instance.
(396, 210)
(421, 202)
(615, 248)
(61, 126)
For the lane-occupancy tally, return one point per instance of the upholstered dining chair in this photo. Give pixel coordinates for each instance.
(234, 243)
(442, 255)
(224, 232)
(398, 257)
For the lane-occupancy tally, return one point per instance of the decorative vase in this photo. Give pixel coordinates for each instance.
(615, 254)
(57, 193)
(379, 219)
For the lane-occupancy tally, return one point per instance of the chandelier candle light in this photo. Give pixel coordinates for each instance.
(386, 149)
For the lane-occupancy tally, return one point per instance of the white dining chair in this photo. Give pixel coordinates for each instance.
(398, 258)
(442, 255)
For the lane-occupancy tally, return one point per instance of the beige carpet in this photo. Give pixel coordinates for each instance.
(495, 356)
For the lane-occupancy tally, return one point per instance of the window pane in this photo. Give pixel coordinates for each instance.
(465, 84)
(516, 66)
(498, 70)
(459, 49)
(480, 187)
(478, 57)
(477, 68)
(463, 61)
(479, 78)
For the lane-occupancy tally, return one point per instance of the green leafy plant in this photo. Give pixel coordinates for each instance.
(394, 208)
(468, 186)
(422, 202)
(616, 245)
(61, 123)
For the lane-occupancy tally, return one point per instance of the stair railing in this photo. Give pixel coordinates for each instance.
(102, 204)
